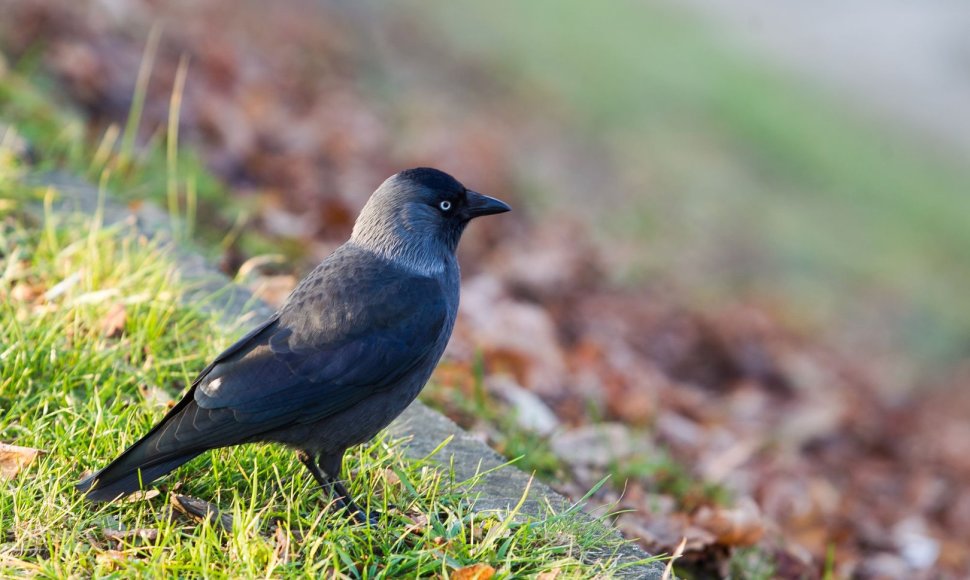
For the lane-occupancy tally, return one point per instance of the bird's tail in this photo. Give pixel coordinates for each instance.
(149, 458)
(127, 474)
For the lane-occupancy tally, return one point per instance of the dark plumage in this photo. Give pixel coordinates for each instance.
(353, 345)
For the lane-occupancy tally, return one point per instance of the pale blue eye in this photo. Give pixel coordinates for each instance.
(445, 205)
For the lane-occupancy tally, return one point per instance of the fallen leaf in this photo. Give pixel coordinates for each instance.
(200, 510)
(516, 337)
(418, 525)
(114, 321)
(24, 292)
(391, 478)
(282, 541)
(550, 575)
(143, 534)
(530, 411)
(14, 458)
(142, 495)
(155, 395)
(738, 526)
(111, 559)
(600, 445)
(474, 572)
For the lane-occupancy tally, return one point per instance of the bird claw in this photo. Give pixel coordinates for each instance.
(364, 518)
(374, 518)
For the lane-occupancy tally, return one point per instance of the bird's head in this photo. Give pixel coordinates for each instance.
(417, 216)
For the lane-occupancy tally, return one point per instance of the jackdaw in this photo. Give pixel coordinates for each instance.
(349, 350)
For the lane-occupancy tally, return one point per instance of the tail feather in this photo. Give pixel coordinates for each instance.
(121, 478)
(141, 463)
(186, 431)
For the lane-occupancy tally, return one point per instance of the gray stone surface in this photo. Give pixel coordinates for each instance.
(499, 488)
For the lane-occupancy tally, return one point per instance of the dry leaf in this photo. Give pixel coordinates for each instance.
(14, 458)
(111, 559)
(200, 510)
(474, 572)
(391, 477)
(114, 321)
(24, 292)
(739, 526)
(550, 575)
(142, 495)
(155, 396)
(282, 540)
(418, 525)
(143, 534)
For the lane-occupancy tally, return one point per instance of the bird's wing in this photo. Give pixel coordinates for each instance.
(304, 366)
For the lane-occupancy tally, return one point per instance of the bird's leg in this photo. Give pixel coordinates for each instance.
(330, 465)
(322, 479)
(334, 488)
(360, 516)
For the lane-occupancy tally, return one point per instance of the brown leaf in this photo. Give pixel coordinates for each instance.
(282, 541)
(111, 559)
(24, 292)
(419, 522)
(391, 478)
(114, 321)
(474, 572)
(663, 534)
(550, 575)
(200, 510)
(14, 458)
(143, 534)
(517, 337)
(739, 526)
(155, 395)
(142, 495)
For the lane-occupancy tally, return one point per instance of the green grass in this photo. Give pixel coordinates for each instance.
(68, 388)
(732, 176)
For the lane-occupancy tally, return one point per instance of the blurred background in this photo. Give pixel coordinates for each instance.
(736, 277)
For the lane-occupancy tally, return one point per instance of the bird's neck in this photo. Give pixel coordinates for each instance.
(422, 255)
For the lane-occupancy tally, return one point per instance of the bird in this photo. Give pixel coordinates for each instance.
(349, 349)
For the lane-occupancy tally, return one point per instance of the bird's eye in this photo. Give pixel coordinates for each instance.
(445, 205)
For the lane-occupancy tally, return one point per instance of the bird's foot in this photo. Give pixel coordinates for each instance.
(374, 518)
(361, 517)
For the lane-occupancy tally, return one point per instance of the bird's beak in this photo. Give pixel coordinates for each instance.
(479, 205)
